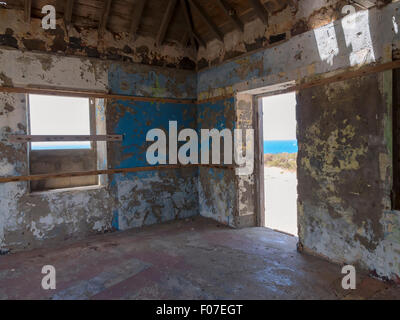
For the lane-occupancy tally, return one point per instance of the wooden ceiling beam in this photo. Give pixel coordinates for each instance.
(260, 10)
(105, 16)
(231, 13)
(199, 39)
(27, 10)
(68, 9)
(166, 22)
(185, 38)
(207, 20)
(137, 17)
(188, 21)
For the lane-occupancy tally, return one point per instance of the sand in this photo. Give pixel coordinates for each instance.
(281, 200)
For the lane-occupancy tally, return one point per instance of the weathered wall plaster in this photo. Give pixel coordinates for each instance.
(335, 46)
(148, 197)
(284, 23)
(86, 42)
(344, 175)
(332, 154)
(217, 189)
(345, 157)
(26, 219)
(29, 220)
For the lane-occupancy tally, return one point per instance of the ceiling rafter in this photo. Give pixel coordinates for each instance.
(68, 9)
(211, 24)
(137, 17)
(260, 10)
(231, 14)
(27, 10)
(199, 39)
(166, 22)
(192, 34)
(105, 16)
(207, 20)
(185, 38)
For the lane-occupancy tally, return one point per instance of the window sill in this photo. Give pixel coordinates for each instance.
(67, 190)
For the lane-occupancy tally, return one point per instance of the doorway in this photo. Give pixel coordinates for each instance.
(280, 162)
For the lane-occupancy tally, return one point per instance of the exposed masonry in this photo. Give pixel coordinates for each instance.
(29, 220)
(333, 150)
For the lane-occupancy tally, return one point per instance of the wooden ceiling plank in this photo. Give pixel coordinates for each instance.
(28, 9)
(260, 10)
(105, 16)
(166, 22)
(231, 13)
(68, 9)
(137, 17)
(207, 20)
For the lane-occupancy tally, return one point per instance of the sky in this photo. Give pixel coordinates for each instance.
(54, 115)
(279, 117)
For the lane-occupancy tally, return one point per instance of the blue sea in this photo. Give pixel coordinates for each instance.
(280, 146)
(67, 147)
(60, 145)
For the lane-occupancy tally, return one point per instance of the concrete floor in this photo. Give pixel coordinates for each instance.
(192, 259)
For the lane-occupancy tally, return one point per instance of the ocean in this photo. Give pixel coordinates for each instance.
(280, 146)
(270, 147)
(60, 145)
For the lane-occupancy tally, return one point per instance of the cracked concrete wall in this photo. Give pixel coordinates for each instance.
(246, 184)
(224, 196)
(217, 189)
(344, 175)
(345, 158)
(86, 42)
(30, 220)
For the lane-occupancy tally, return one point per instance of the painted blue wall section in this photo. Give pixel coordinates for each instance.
(144, 198)
(139, 118)
(217, 114)
(115, 222)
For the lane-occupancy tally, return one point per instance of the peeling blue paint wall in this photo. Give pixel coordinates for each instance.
(145, 198)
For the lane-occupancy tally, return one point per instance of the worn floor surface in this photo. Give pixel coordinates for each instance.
(193, 259)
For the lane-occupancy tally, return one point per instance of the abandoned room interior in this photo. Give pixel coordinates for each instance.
(109, 179)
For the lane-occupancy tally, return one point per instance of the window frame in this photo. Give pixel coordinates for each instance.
(92, 122)
(95, 155)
